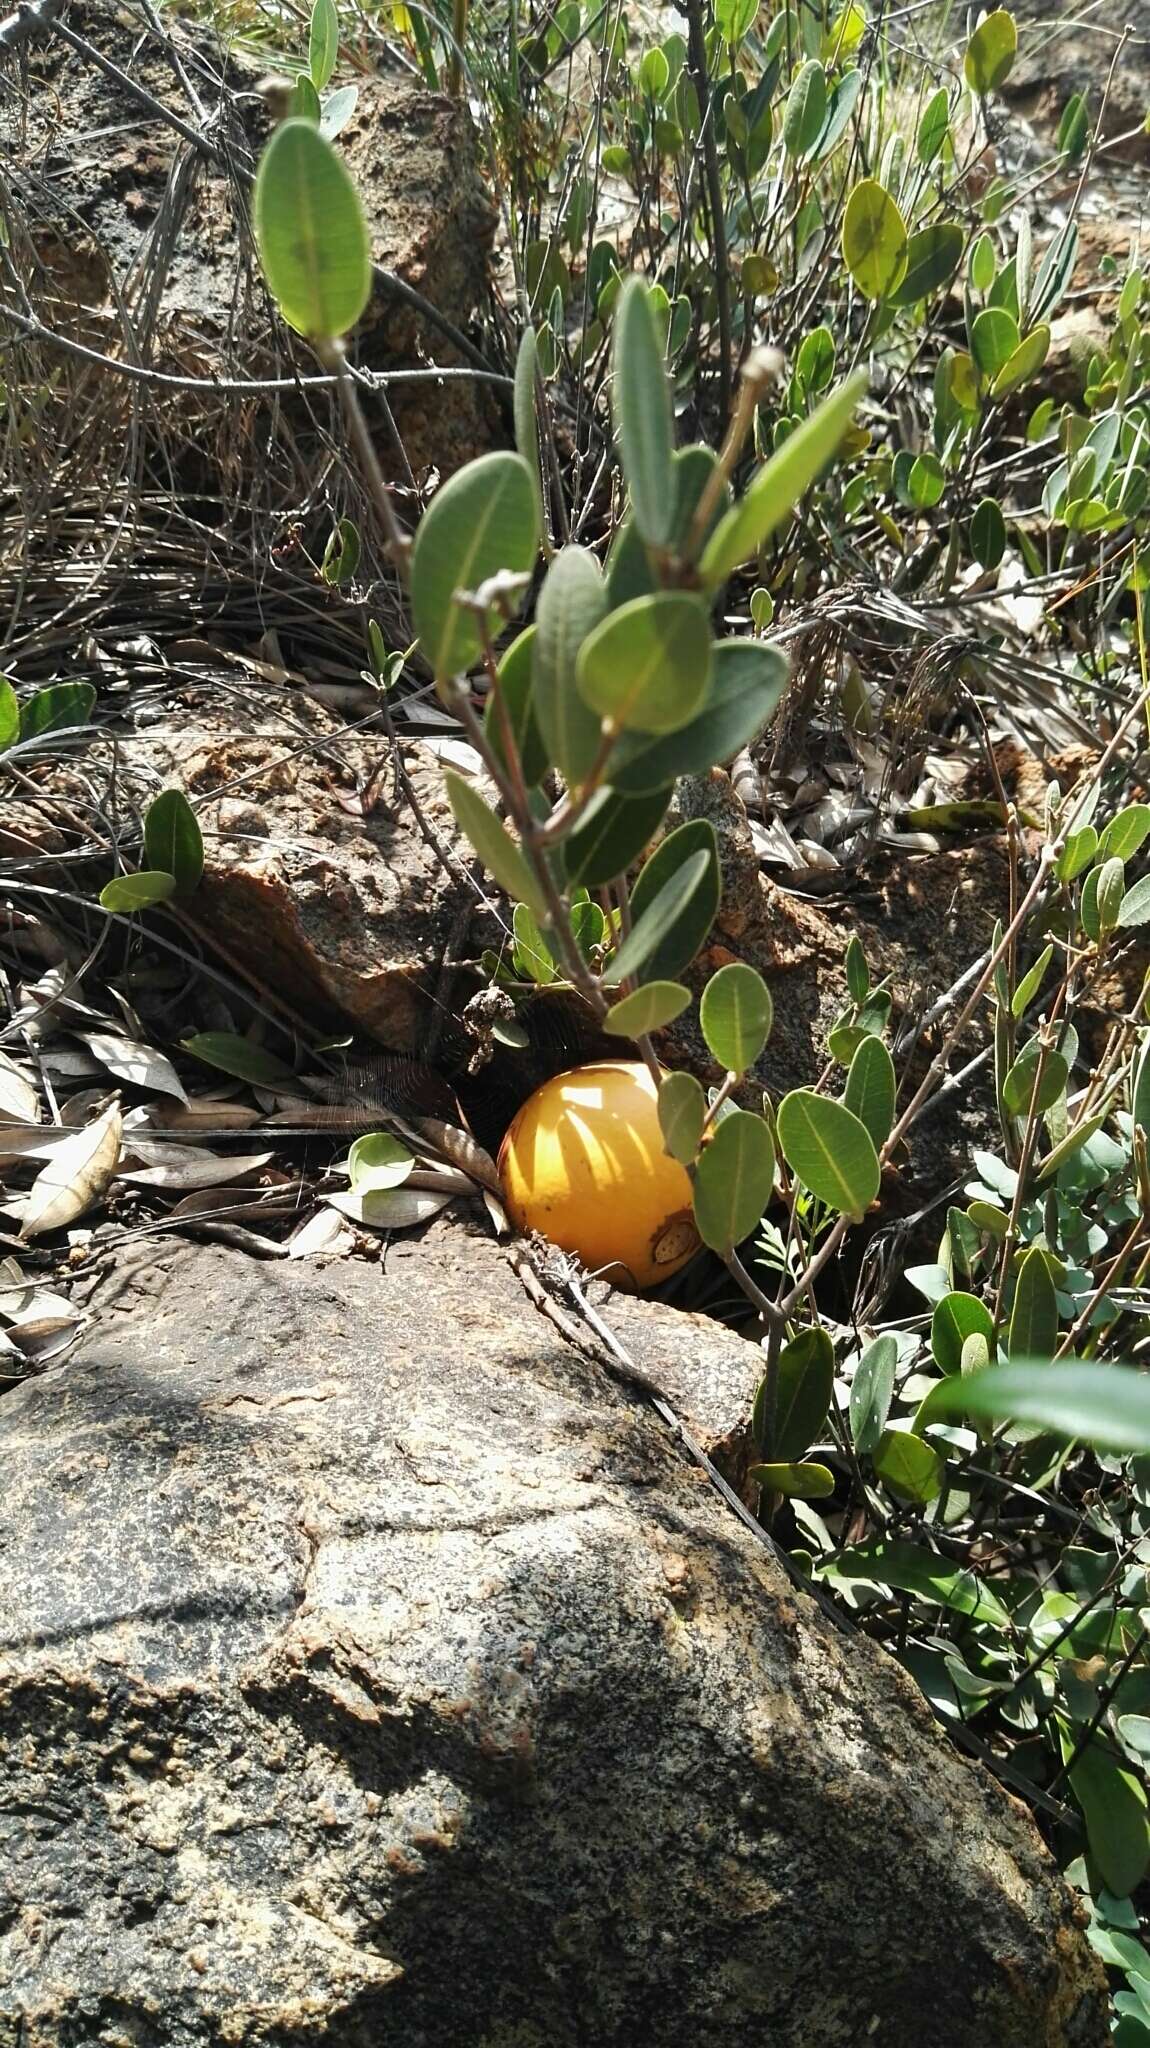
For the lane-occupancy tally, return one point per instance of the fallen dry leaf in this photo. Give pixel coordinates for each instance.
(198, 1171)
(390, 1208)
(129, 1060)
(324, 1231)
(19, 1098)
(76, 1177)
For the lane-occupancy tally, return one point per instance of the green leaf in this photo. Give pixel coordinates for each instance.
(322, 42)
(647, 666)
(796, 1482)
(990, 51)
(1018, 1085)
(172, 840)
(736, 1013)
(1055, 271)
(641, 407)
(612, 834)
(874, 240)
(1031, 982)
(908, 1467)
(747, 682)
(988, 533)
(1034, 1316)
(493, 843)
(830, 1149)
(629, 570)
(932, 256)
(908, 1568)
(661, 918)
(872, 1389)
(56, 709)
(238, 1057)
(1113, 1803)
(1140, 1084)
(1024, 364)
(857, 971)
(870, 1089)
(341, 556)
(993, 339)
(9, 713)
(531, 955)
(698, 912)
(516, 685)
(572, 604)
(377, 1160)
(806, 1378)
(137, 892)
(956, 1317)
(1073, 1142)
(1107, 1406)
(734, 1176)
(805, 110)
(1135, 908)
(933, 126)
(481, 521)
(526, 416)
(647, 1009)
(311, 233)
(1078, 852)
(337, 110)
(777, 487)
(1074, 127)
(304, 102)
(1126, 833)
(682, 1114)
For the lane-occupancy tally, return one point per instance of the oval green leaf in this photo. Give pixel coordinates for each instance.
(56, 709)
(661, 918)
(647, 1009)
(805, 1383)
(796, 1482)
(932, 256)
(377, 1160)
(238, 1057)
(517, 689)
(736, 1014)
(990, 51)
(572, 604)
(734, 1176)
(875, 243)
(830, 1150)
(870, 1088)
(747, 682)
(682, 1114)
(612, 834)
(311, 233)
(647, 666)
(680, 946)
(480, 521)
(493, 843)
(137, 892)
(9, 713)
(956, 1317)
(872, 1389)
(173, 841)
(910, 1468)
(1034, 1317)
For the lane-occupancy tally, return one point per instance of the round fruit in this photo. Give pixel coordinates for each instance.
(583, 1164)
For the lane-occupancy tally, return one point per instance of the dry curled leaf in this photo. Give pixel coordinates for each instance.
(323, 1232)
(76, 1177)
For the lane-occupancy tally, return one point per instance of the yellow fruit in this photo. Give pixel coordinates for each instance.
(583, 1164)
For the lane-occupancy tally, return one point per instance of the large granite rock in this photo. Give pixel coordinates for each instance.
(374, 1669)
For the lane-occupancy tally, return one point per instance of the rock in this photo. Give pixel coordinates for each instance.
(347, 912)
(376, 1669)
(148, 208)
(1064, 51)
